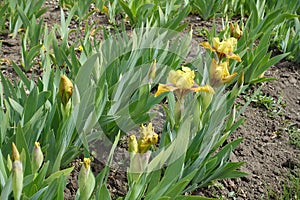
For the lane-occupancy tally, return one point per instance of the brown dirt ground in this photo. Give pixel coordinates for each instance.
(266, 149)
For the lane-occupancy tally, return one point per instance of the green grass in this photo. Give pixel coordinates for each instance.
(294, 134)
(274, 106)
(290, 188)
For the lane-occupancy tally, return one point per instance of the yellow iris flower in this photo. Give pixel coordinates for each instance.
(182, 81)
(219, 73)
(223, 49)
(147, 139)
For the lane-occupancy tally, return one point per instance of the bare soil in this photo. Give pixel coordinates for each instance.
(270, 158)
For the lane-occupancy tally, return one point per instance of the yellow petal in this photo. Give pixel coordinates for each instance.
(188, 76)
(229, 78)
(223, 69)
(217, 71)
(133, 144)
(231, 41)
(147, 131)
(186, 69)
(65, 89)
(162, 88)
(182, 79)
(207, 46)
(216, 42)
(205, 88)
(105, 9)
(234, 56)
(148, 138)
(80, 48)
(154, 139)
(174, 76)
(227, 46)
(185, 82)
(144, 146)
(86, 162)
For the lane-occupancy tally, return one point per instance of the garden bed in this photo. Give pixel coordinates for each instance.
(270, 132)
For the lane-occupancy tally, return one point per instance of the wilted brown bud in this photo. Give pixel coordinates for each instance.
(235, 30)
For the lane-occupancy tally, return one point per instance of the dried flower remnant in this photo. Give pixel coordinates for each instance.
(235, 30)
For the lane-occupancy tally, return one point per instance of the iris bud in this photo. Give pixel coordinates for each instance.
(37, 157)
(17, 177)
(86, 180)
